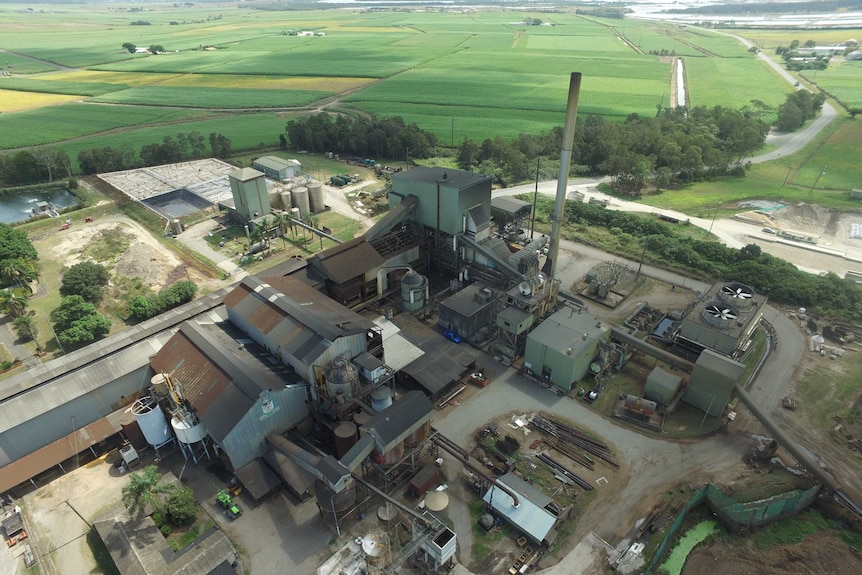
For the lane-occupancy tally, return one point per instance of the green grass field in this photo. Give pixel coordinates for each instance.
(479, 75)
(842, 80)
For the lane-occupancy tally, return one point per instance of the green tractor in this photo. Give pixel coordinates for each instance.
(232, 510)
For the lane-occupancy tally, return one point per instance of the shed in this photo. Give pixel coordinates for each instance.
(661, 386)
(424, 480)
(712, 381)
(530, 517)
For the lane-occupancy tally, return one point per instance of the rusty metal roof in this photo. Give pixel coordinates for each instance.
(297, 317)
(219, 377)
(346, 261)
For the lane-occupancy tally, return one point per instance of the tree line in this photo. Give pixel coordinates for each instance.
(361, 136)
(798, 108)
(48, 164)
(827, 295)
(676, 146)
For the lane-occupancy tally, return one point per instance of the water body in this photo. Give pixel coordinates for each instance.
(16, 207)
(692, 537)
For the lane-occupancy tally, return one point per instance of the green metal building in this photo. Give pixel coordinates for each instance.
(250, 197)
(661, 386)
(277, 168)
(712, 381)
(562, 347)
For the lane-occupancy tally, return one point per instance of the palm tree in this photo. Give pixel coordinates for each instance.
(12, 304)
(144, 490)
(281, 222)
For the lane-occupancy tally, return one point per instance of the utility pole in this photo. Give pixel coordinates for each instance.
(713, 220)
(814, 185)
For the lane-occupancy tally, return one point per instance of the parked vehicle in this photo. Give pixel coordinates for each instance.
(452, 336)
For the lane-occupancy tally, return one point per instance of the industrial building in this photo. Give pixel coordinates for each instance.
(722, 321)
(662, 386)
(534, 514)
(277, 168)
(562, 348)
(250, 197)
(712, 381)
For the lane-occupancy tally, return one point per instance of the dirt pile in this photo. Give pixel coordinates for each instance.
(819, 554)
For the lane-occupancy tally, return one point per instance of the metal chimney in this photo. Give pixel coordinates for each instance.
(550, 266)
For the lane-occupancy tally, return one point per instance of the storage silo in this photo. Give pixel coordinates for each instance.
(316, 199)
(381, 398)
(345, 435)
(176, 226)
(391, 457)
(414, 291)
(294, 213)
(342, 379)
(299, 197)
(375, 548)
(151, 419)
(361, 418)
(421, 434)
(334, 505)
(286, 202)
(188, 432)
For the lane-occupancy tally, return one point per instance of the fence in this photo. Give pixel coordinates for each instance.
(736, 515)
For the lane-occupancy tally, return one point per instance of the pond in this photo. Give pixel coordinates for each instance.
(18, 206)
(675, 561)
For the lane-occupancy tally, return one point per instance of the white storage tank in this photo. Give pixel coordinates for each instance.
(176, 226)
(188, 433)
(316, 199)
(151, 420)
(299, 197)
(375, 547)
(381, 398)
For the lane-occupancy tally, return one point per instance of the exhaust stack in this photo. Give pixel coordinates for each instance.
(550, 267)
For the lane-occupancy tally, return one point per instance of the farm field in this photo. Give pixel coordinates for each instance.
(842, 80)
(478, 75)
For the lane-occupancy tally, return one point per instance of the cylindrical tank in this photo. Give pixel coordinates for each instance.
(345, 435)
(176, 226)
(375, 548)
(152, 421)
(381, 398)
(331, 503)
(316, 200)
(294, 213)
(159, 384)
(342, 376)
(418, 436)
(391, 457)
(413, 289)
(361, 418)
(132, 431)
(187, 432)
(299, 197)
(286, 201)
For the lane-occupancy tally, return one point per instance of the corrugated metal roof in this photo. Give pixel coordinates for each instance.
(458, 179)
(276, 163)
(393, 421)
(221, 379)
(258, 479)
(346, 261)
(442, 363)
(303, 308)
(295, 476)
(529, 517)
(508, 204)
(567, 329)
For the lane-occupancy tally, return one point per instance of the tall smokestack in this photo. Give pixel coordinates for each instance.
(563, 180)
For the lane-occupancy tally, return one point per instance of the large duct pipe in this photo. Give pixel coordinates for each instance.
(784, 441)
(651, 350)
(565, 163)
(444, 443)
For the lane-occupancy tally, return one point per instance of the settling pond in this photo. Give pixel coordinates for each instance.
(17, 206)
(675, 561)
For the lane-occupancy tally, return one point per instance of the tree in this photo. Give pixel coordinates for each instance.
(85, 279)
(15, 244)
(142, 308)
(790, 117)
(25, 328)
(156, 49)
(78, 323)
(129, 47)
(145, 489)
(11, 303)
(181, 507)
